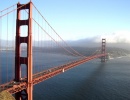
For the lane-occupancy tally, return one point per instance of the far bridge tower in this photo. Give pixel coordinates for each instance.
(103, 51)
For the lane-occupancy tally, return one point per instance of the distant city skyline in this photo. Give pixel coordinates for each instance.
(80, 19)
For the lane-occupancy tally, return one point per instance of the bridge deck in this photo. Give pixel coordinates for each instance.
(14, 87)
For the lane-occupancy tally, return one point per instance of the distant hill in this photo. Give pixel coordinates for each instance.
(85, 46)
(88, 43)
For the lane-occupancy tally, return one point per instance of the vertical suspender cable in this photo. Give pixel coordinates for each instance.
(33, 36)
(38, 46)
(34, 54)
(7, 51)
(13, 41)
(52, 50)
(42, 45)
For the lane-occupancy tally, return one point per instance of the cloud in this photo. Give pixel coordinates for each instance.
(115, 37)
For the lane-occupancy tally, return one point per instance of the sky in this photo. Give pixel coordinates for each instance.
(80, 19)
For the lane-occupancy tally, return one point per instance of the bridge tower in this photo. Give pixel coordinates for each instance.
(19, 60)
(103, 59)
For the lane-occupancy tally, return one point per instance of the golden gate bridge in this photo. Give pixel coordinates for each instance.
(26, 37)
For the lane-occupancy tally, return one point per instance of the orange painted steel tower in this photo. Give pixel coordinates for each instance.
(103, 59)
(19, 60)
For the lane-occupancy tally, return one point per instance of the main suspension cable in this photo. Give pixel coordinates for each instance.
(57, 33)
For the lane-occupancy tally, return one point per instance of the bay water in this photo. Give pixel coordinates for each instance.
(90, 81)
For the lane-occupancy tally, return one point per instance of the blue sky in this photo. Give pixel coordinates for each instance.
(78, 19)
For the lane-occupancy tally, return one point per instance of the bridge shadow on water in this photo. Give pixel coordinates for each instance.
(88, 88)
